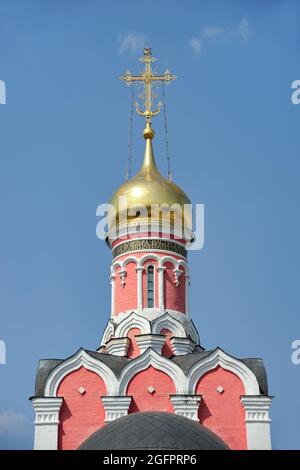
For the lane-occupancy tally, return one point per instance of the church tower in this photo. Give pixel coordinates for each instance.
(151, 371)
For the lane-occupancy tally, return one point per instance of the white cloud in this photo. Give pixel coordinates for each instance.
(12, 423)
(241, 31)
(131, 42)
(244, 29)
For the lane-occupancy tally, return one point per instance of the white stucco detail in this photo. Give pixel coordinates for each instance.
(170, 323)
(219, 358)
(46, 422)
(150, 357)
(115, 407)
(155, 342)
(80, 359)
(257, 421)
(108, 333)
(182, 346)
(186, 405)
(118, 346)
(132, 320)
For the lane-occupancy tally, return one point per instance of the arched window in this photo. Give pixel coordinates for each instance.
(150, 287)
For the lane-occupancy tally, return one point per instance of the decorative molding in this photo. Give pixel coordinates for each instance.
(191, 330)
(150, 314)
(80, 359)
(132, 320)
(151, 357)
(118, 346)
(219, 358)
(186, 405)
(257, 408)
(153, 244)
(257, 421)
(115, 407)
(181, 346)
(108, 333)
(46, 422)
(177, 273)
(168, 322)
(150, 340)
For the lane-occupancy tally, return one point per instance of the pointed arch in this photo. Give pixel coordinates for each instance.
(80, 359)
(169, 323)
(108, 333)
(192, 331)
(150, 357)
(133, 320)
(219, 358)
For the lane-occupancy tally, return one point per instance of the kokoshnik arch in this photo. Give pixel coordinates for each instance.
(150, 361)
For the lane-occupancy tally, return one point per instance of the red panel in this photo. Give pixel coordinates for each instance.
(133, 350)
(223, 412)
(167, 348)
(174, 296)
(126, 297)
(80, 415)
(143, 400)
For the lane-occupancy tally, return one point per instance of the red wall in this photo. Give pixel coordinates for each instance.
(167, 348)
(174, 296)
(80, 415)
(223, 413)
(126, 297)
(143, 400)
(133, 349)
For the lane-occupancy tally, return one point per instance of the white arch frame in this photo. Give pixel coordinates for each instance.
(170, 323)
(150, 357)
(133, 320)
(108, 333)
(81, 359)
(219, 358)
(192, 331)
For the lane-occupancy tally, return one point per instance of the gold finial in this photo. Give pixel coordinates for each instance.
(147, 78)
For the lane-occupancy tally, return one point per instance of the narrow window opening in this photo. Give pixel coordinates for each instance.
(150, 287)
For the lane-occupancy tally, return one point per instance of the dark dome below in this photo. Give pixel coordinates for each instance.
(153, 430)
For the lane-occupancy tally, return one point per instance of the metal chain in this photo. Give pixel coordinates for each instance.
(129, 159)
(166, 133)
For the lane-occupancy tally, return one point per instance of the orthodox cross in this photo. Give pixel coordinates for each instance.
(147, 78)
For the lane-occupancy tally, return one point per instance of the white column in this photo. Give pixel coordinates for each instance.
(186, 405)
(46, 422)
(115, 407)
(139, 288)
(112, 283)
(257, 421)
(187, 285)
(160, 270)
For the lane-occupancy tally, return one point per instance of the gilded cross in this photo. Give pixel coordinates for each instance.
(147, 78)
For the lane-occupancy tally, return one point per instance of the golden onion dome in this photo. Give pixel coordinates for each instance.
(147, 189)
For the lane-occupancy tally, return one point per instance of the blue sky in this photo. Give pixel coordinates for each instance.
(233, 137)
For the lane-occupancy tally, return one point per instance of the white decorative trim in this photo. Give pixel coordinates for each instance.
(155, 342)
(177, 273)
(132, 320)
(80, 359)
(181, 346)
(151, 314)
(118, 346)
(46, 422)
(115, 407)
(150, 357)
(113, 285)
(187, 289)
(186, 405)
(166, 321)
(160, 270)
(191, 330)
(219, 358)
(108, 333)
(139, 299)
(257, 421)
